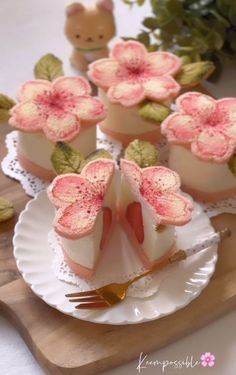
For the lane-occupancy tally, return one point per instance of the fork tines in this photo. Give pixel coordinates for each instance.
(88, 300)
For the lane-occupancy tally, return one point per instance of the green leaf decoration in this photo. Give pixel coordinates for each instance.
(6, 210)
(154, 112)
(49, 67)
(66, 160)
(232, 164)
(6, 104)
(142, 153)
(151, 23)
(98, 154)
(192, 74)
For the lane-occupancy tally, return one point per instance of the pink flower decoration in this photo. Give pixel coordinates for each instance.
(207, 125)
(131, 74)
(207, 359)
(57, 108)
(79, 198)
(157, 187)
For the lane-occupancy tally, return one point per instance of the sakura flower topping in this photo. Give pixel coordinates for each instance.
(57, 108)
(157, 187)
(79, 198)
(131, 74)
(206, 125)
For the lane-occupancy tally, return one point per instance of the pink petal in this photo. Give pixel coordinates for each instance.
(26, 117)
(88, 108)
(211, 363)
(132, 173)
(226, 113)
(161, 88)
(127, 94)
(211, 145)
(159, 180)
(130, 53)
(31, 89)
(162, 63)
(69, 188)
(100, 173)
(77, 86)
(204, 363)
(197, 105)
(180, 128)
(212, 357)
(171, 208)
(203, 357)
(78, 219)
(104, 72)
(61, 127)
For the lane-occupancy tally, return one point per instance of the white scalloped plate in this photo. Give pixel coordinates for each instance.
(185, 280)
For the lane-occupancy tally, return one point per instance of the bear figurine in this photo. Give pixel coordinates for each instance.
(89, 29)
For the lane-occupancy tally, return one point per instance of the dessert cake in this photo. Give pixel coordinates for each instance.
(129, 78)
(202, 137)
(62, 110)
(85, 213)
(149, 208)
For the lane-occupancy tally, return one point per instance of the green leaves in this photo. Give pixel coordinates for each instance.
(154, 112)
(49, 67)
(6, 210)
(197, 29)
(142, 153)
(67, 160)
(192, 74)
(232, 164)
(6, 104)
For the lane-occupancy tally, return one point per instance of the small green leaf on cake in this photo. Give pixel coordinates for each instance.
(142, 153)
(232, 164)
(154, 112)
(49, 67)
(98, 154)
(6, 104)
(65, 159)
(192, 74)
(6, 210)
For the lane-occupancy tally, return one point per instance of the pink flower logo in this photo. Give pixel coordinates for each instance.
(207, 359)
(207, 125)
(131, 74)
(57, 108)
(79, 198)
(158, 188)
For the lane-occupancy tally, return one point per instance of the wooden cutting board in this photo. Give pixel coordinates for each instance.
(64, 345)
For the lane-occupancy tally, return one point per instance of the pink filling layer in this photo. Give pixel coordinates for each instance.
(144, 258)
(209, 197)
(125, 139)
(36, 170)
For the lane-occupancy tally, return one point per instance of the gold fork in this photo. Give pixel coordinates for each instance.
(111, 294)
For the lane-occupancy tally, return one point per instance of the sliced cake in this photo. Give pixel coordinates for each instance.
(85, 205)
(149, 208)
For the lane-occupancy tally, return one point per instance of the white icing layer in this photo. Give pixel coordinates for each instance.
(125, 120)
(156, 244)
(198, 174)
(38, 149)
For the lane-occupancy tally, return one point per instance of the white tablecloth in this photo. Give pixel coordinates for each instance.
(29, 29)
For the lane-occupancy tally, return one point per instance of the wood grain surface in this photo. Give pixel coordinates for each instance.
(67, 346)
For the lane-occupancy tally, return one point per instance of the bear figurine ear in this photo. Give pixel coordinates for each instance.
(105, 4)
(74, 8)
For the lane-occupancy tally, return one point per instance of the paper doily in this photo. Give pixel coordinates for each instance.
(127, 266)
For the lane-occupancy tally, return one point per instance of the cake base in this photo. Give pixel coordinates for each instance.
(34, 169)
(209, 197)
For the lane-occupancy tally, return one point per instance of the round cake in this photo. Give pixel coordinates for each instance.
(49, 112)
(202, 138)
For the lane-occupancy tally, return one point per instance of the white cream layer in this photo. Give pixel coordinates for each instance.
(123, 119)
(86, 250)
(38, 149)
(198, 174)
(156, 244)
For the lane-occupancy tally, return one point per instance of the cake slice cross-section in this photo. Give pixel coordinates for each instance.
(85, 211)
(150, 206)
